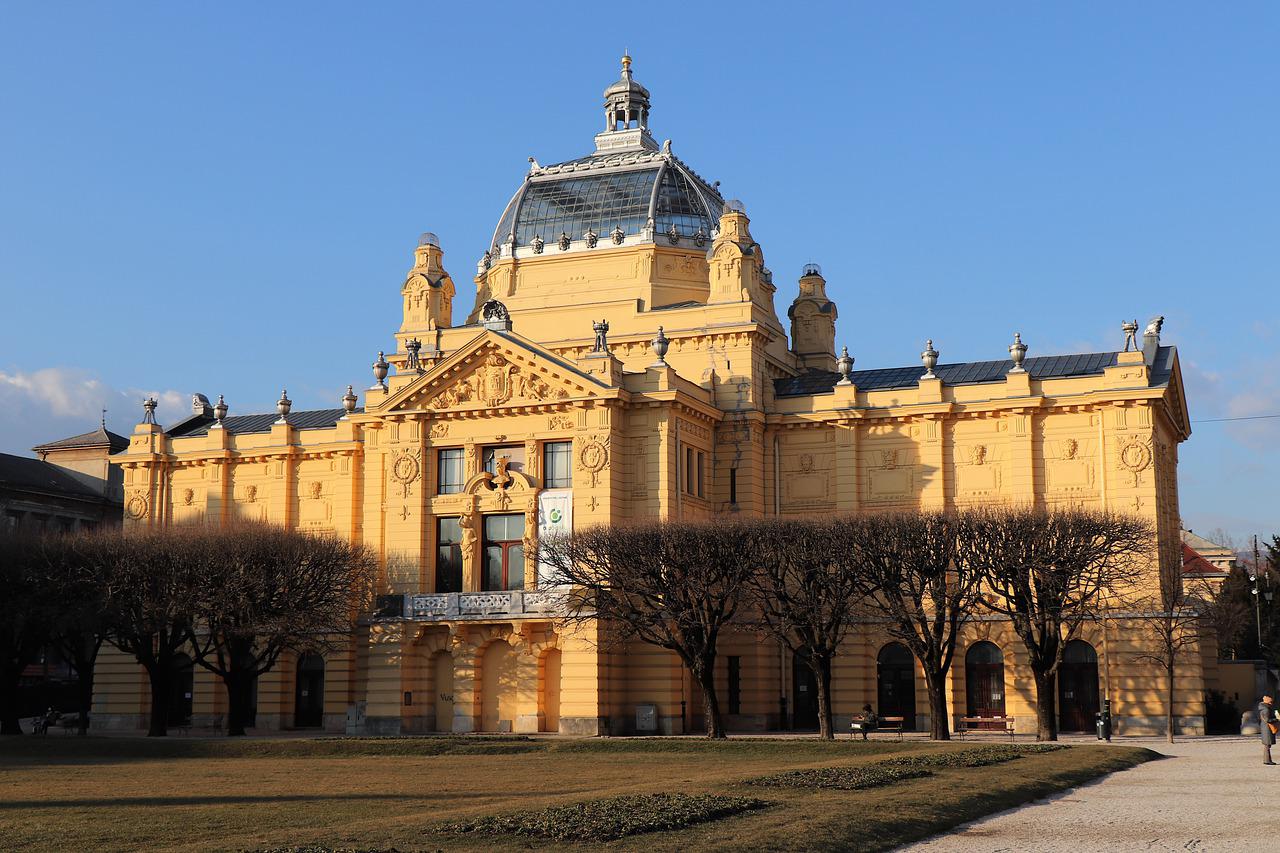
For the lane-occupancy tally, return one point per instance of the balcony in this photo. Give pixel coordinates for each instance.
(475, 606)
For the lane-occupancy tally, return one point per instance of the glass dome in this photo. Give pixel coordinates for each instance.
(598, 194)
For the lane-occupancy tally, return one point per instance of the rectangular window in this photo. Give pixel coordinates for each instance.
(514, 455)
(557, 465)
(450, 475)
(503, 552)
(701, 462)
(733, 485)
(735, 684)
(688, 470)
(448, 555)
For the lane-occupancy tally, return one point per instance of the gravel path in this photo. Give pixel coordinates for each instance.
(1211, 794)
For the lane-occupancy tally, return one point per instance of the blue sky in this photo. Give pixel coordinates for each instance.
(224, 197)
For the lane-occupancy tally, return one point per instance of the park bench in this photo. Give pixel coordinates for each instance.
(889, 725)
(1000, 725)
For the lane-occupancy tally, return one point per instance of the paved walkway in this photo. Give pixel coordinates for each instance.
(1211, 794)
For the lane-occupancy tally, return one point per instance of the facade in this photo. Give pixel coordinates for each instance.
(70, 486)
(622, 358)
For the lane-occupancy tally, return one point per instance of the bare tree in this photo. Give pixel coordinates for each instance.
(923, 590)
(676, 585)
(1047, 570)
(152, 584)
(265, 590)
(807, 592)
(79, 626)
(1171, 624)
(26, 607)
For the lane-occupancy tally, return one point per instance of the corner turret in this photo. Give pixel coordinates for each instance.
(427, 290)
(813, 322)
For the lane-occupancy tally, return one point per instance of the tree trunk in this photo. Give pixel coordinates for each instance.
(710, 702)
(9, 722)
(160, 676)
(1169, 718)
(826, 724)
(939, 713)
(239, 693)
(1046, 706)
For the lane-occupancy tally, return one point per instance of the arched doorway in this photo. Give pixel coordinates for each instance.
(181, 691)
(804, 693)
(1077, 687)
(498, 688)
(984, 681)
(550, 678)
(308, 694)
(896, 684)
(442, 678)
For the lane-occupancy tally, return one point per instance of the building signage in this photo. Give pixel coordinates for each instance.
(555, 517)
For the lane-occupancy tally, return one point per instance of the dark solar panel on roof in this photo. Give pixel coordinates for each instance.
(968, 373)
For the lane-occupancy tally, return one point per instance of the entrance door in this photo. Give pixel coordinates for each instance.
(1077, 687)
(984, 682)
(804, 694)
(444, 691)
(182, 686)
(308, 698)
(896, 684)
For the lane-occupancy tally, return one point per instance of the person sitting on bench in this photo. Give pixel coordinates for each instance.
(867, 722)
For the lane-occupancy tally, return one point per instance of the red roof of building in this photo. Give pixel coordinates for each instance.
(1194, 564)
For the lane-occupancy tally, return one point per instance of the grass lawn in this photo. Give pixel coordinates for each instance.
(101, 794)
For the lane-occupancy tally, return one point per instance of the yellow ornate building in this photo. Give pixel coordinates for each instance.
(622, 358)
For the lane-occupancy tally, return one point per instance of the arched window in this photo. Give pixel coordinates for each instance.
(896, 684)
(984, 681)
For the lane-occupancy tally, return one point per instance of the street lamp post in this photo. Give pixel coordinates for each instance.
(1259, 592)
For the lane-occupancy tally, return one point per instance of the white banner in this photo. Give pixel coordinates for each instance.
(555, 516)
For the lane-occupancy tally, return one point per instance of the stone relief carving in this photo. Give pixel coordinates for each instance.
(977, 454)
(496, 382)
(559, 422)
(439, 429)
(1135, 457)
(1069, 448)
(137, 505)
(889, 459)
(593, 456)
(406, 468)
(316, 490)
(188, 497)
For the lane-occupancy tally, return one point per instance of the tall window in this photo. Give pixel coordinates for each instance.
(557, 464)
(695, 463)
(504, 552)
(450, 476)
(448, 555)
(733, 485)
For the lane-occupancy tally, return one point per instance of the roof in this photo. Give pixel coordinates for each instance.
(1194, 564)
(968, 373)
(241, 424)
(100, 437)
(601, 192)
(1199, 543)
(23, 473)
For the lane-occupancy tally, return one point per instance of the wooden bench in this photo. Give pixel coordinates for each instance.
(998, 725)
(889, 725)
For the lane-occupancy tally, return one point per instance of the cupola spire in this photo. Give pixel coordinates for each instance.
(626, 114)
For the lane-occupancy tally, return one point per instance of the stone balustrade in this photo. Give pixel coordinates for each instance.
(505, 604)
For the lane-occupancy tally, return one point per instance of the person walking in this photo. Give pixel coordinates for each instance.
(1266, 719)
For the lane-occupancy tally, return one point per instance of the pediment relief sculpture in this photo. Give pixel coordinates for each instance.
(498, 381)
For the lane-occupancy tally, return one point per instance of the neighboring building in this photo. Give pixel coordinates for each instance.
(1222, 558)
(528, 412)
(71, 486)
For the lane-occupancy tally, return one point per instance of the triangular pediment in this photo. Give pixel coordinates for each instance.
(495, 370)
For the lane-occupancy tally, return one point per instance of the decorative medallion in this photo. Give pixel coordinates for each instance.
(188, 497)
(977, 454)
(1069, 448)
(1135, 456)
(136, 506)
(593, 457)
(406, 469)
